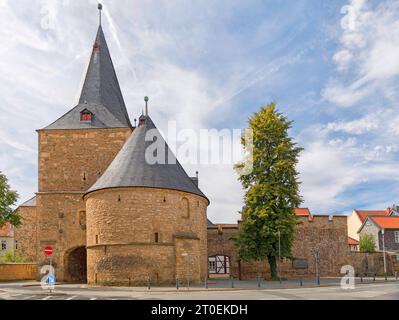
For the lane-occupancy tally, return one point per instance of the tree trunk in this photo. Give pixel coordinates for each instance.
(273, 267)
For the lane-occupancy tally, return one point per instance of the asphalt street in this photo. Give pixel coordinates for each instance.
(32, 291)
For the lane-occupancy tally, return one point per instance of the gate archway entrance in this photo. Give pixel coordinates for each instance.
(76, 265)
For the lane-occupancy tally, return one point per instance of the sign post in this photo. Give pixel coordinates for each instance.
(48, 251)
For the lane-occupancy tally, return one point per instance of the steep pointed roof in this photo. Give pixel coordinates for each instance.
(130, 167)
(101, 94)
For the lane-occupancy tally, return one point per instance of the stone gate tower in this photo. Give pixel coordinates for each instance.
(112, 217)
(74, 152)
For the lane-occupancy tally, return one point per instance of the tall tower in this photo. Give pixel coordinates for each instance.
(74, 151)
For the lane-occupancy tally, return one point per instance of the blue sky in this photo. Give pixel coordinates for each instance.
(331, 66)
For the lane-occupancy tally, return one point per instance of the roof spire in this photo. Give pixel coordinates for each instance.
(100, 7)
(146, 105)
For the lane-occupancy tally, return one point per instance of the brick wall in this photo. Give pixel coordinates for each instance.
(121, 227)
(17, 271)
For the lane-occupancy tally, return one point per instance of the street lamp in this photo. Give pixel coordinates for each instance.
(383, 252)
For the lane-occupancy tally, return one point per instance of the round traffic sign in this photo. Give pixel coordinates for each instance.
(48, 250)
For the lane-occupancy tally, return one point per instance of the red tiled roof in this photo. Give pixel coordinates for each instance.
(387, 222)
(352, 242)
(363, 214)
(302, 211)
(7, 230)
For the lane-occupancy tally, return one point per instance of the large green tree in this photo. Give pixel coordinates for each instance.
(272, 190)
(8, 199)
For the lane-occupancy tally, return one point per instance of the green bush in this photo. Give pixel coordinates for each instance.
(10, 257)
(367, 243)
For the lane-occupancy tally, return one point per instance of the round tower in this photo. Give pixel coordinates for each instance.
(146, 218)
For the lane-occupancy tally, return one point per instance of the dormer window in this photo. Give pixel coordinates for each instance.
(86, 116)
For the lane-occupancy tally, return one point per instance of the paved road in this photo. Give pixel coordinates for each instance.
(31, 291)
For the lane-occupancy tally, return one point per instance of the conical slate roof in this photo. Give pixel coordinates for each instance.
(131, 169)
(101, 94)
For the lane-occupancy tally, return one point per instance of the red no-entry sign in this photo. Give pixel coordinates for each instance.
(48, 250)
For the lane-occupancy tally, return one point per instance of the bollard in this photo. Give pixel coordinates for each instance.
(206, 282)
(396, 275)
(301, 282)
(361, 278)
(258, 281)
(149, 282)
(232, 281)
(374, 275)
(177, 283)
(386, 278)
(318, 280)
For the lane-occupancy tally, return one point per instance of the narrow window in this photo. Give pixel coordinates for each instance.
(396, 236)
(185, 208)
(96, 238)
(82, 219)
(156, 237)
(16, 244)
(3, 245)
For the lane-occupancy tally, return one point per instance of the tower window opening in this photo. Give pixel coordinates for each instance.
(96, 238)
(156, 237)
(86, 116)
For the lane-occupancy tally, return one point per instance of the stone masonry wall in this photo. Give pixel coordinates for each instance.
(329, 238)
(121, 226)
(17, 271)
(370, 263)
(26, 234)
(70, 161)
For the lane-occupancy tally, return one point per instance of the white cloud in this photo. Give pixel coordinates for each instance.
(358, 126)
(369, 49)
(342, 59)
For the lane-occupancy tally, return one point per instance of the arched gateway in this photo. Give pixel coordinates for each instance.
(76, 265)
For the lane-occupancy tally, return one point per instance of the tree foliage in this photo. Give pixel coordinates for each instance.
(367, 243)
(272, 190)
(10, 257)
(8, 199)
